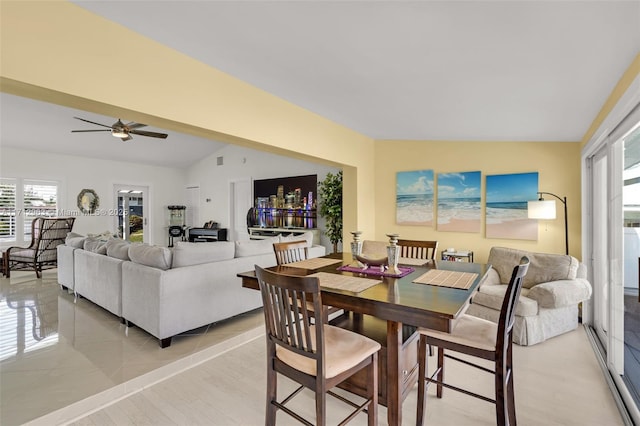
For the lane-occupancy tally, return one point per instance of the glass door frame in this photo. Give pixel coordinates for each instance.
(609, 137)
(143, 192)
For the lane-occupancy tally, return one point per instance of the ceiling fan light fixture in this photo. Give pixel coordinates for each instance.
(119, 133)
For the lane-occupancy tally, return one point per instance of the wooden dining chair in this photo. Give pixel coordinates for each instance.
(415, 249)
(483, 339)
(295, 251)
(290, 251)
(317, 356)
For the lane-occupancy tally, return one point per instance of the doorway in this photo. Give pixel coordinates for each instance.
(131, 201)
(240, 202)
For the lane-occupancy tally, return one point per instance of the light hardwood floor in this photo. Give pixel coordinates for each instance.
(557, 382)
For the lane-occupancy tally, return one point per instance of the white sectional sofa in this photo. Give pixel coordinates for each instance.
(166, 291)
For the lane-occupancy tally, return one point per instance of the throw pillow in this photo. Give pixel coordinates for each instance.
(153, 256)
(103, 236)
(255, 247)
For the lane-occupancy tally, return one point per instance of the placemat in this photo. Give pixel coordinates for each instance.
(313, 263)
(343, 282)
(375, 270)
(453, 279)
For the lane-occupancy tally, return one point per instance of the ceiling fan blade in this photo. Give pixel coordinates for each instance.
(92, 122)
(151, 134)
(134, 125)
(126, 139)
(82, 131)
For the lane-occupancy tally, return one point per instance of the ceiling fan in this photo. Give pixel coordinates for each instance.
(121, 130)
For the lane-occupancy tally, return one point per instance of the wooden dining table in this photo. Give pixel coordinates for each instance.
(390, 312)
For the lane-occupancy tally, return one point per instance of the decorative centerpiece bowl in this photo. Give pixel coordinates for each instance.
(371, 261)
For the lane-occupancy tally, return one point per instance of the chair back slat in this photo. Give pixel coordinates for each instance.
(287, 318)
(507, 313)
(290, 251)
(416, 249)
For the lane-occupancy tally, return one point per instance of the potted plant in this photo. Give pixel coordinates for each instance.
(330, 192)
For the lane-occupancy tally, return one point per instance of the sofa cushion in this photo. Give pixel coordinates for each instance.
(255, 247)
(187, 254)
(95, 245)
(103, 236)
(543, 267)
(492, 297)
(306, 236)
(118, 248)
(74, 240)
(153, 256)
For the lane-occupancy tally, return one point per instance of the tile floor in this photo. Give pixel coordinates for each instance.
(56, 352)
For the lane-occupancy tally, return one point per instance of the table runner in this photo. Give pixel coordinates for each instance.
(313, 263)
(343, 282)
(453, 279)
(375, 270)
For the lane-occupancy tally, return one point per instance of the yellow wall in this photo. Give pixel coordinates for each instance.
(59, 52)
(558, 165)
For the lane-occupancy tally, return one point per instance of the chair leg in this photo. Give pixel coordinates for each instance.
(510, 393)
(502, 414)
(272, 391)
(422, 372)
(440, 376)
(372, 388)
(321, 405)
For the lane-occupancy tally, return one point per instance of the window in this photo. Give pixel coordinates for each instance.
(22, 200)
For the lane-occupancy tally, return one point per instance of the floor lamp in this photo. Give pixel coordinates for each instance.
(546, 209)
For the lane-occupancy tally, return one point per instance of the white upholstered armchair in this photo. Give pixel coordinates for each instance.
(548, 305)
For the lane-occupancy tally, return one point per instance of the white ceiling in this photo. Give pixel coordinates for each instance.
(40, 126)
(438, 70)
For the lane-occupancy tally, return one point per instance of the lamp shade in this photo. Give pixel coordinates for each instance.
(541, 209)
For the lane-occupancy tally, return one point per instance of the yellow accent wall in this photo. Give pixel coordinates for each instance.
(558, 165)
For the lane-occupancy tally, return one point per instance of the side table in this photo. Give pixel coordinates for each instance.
(458, 255)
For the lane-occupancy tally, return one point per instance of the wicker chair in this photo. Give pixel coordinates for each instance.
(47, 233)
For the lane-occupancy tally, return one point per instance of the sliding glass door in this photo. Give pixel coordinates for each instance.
(600, 231)
(612, 219)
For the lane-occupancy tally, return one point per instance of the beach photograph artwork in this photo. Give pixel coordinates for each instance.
(414, 198)
(506, 206)
(459, 207)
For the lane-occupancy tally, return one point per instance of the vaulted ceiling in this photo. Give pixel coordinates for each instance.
(437, 70)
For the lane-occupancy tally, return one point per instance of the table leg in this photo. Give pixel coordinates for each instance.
(394, 373)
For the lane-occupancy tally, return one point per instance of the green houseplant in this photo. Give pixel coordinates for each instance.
(330, 192)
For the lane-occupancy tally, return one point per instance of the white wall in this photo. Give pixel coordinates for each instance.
(166, 186)
(242, 163)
